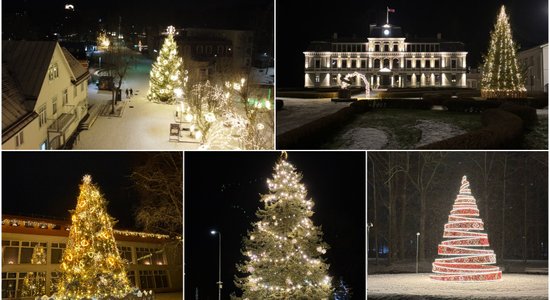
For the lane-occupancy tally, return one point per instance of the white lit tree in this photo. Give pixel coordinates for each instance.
(284, 251)
(166, 74)
(91, 267)
(501, 76)
(34, 283)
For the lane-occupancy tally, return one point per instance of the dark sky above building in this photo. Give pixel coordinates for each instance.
(222, 191)
(46, 183)
(468, 21)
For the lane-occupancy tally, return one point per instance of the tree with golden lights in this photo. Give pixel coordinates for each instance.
(166, 75)
(284, 251)
(501, 75)
(34, 283)
(91, 266)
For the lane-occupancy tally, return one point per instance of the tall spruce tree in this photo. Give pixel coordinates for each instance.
(166, 74)
(91, 266)
(284, 249)
(501, 76)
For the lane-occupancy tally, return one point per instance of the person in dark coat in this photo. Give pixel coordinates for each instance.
(131, 93)
(126, 93)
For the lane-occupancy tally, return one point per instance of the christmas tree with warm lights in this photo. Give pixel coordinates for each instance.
(467, 257)
(501, 76)
(166, 75)
(284, 249)
(34, 283)
(91, 266)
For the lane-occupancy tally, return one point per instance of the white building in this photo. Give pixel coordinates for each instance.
(155, 260)
(535, 64)
(387, 59)
(44, 95)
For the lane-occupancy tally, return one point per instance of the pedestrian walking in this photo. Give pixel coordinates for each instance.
(131, 92)
(126, 93)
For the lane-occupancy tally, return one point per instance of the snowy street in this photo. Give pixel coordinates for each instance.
(143, 124)
(420, 286)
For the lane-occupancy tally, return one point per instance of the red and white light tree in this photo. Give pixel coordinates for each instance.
(465, 250)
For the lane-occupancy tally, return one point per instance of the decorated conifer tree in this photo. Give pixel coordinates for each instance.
(284, 249)
(501, 76)
(34, 283)
(91, 266)
(465, 248)
(166, 74)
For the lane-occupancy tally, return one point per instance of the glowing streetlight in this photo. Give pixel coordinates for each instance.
(417, 237)
(219, 283)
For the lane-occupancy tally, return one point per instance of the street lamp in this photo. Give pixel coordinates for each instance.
(417, 236)
(219, 283)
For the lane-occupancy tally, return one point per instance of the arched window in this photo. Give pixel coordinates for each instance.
(395, 64)
(377, 63)
(386, 63)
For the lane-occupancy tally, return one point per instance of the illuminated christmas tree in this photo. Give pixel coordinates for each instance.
(501, 75)
(166, 75)
(91, 266)
(284, 249)
(467, 257)
(34, 283)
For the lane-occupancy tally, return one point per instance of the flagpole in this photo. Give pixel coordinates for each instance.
(387, 15)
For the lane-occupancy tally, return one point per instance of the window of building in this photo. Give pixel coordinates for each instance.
(395, 64)
(386, 48)
(377, 63)
(153, 279)
(386, 63)
(317, 78)
(409, 79)
(65, 97)
(57, 250)
(334, 63)
(353, 63)
(453, 63)
(75, 91)
(395, 48)
(363, 64)
(55, 279)
(54, 105)
(42, 116)
(53, 72)
(363, 48)
(131, 277)
(376, 48)
(317, 63)
(409, 64)
(453, 78)
(126, 253)
(19, 139)
(9, 285)
(18, 252)
(436, 63)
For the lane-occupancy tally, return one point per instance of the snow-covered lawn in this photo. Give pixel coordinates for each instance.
(433, 131)
(365, 139)
(420, 286)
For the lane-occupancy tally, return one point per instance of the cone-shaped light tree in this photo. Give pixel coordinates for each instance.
(34, 283)
(91, 266)
(166, 75)
(284, 249)
(501, 76)
(465, 246)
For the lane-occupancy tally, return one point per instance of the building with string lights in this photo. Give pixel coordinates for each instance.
(155, 260)
(386, 58)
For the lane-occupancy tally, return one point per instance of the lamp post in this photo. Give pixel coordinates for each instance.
(417, 237)
(369, 226)
(219, 283)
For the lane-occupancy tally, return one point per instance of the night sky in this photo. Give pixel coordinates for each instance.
(46, 183)
(467, 21)
(222, 191)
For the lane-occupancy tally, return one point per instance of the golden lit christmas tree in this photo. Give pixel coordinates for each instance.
(501, 75)
(34, 283)
(284, 250)
(91, 266)
(166, 76)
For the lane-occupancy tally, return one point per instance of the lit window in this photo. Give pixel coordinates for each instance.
(42, 116)
(53, 72)
(19, 139)
(317, 78)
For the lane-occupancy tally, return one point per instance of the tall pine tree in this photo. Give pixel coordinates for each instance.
(91, 266)
(34, 283)
(501, 76)
(284, 249)
(166, 74)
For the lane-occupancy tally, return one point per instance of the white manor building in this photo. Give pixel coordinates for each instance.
(386, 59)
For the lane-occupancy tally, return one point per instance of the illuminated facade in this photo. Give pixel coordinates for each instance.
(155, 263)
(387, 59)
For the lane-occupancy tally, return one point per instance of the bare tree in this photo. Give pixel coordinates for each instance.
(118, 60)
(160, 182)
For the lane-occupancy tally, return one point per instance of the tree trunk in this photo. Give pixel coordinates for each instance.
(375, 222)
(403, 210)
(422, 227)
(503, 230)
(524, 209)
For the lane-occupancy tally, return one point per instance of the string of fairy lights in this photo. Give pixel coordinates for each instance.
(282, 239)
(465, 260)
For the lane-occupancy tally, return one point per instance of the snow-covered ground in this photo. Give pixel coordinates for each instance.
(298, 111)
(420, 286)
(433, 131)
(365, 139)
